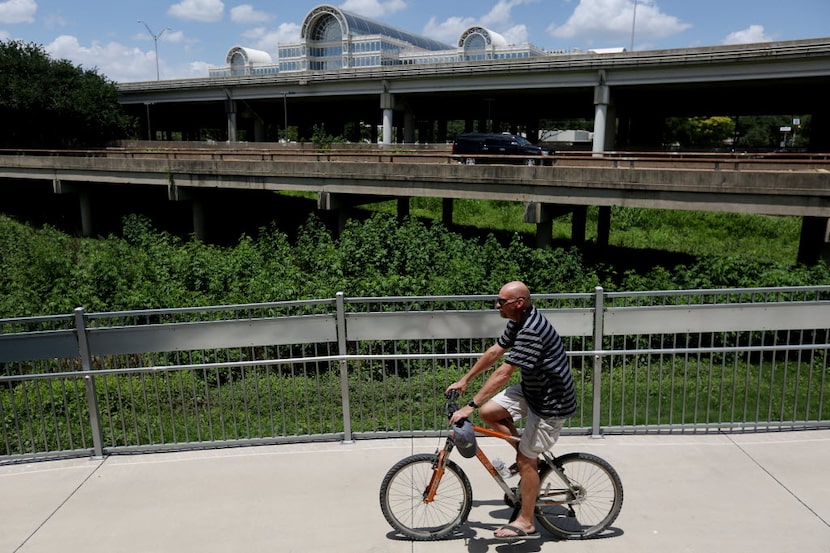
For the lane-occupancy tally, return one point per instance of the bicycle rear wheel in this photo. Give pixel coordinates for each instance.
(402, 498)
(585, 508)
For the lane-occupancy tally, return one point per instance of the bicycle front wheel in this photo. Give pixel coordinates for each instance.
(402, 498)
(586, 504)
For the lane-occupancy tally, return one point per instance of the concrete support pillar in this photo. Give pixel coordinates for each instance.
(199, 219)
(446, 211)
(387, 104)
(814, 243)
(542, 215)
(230, 110)
(544, 234)
(403, 208)
(604, 225)
(602, 97)
(85, 202)
(820, 131)
(408, 127)
(442, 131)
(387, 127)
(197, 206)
(579, 220)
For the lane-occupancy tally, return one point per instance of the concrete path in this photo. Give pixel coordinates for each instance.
(748, 493)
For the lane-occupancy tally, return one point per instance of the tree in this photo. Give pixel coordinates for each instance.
(699, 132)
(53, 104)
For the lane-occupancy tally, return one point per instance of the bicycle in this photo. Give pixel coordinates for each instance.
(428, 497)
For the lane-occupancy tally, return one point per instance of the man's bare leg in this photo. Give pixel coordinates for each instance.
(496, 417)
(529, 491)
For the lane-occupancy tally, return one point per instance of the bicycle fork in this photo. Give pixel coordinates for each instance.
(437, 473)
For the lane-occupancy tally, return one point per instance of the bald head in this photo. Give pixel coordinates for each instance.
(515, 289)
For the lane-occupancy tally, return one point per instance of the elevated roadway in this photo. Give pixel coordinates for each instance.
(628, 95)
(774, 185)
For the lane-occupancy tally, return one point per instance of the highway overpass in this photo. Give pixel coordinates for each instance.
(751, 184)
(628, 96)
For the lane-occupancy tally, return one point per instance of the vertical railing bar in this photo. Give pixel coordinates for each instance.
(91, 396)
(344, 368)
(599, 315)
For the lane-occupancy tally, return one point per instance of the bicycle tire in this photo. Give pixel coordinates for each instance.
(402, 498)
(596, 505)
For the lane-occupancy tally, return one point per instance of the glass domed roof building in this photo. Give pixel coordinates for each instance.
(332, 39)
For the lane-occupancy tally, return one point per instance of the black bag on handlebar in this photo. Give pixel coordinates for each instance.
(465, 439)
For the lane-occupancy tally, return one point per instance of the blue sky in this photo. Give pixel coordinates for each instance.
(195, 34)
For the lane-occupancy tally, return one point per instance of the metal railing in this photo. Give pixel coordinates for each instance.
(737, 360)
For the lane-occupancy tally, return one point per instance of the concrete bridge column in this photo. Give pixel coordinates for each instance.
(408, 127)
(446, 211)
(230, 110)
(579, 219)
(604, 225)
(84, 203)
(197, 204)
(544, 214)
(387, 104)
(820, 132)
(602, 98)
(442, 131)
(814, 243)
(403, 208)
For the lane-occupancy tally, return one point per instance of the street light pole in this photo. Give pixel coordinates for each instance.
(285, 115)
(155, 43)
(633, 23)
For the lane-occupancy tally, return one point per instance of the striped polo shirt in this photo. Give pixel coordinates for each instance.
(536, 348)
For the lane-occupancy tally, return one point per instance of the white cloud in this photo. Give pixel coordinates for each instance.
(116, 61)
(18, 11)
(373, 8)
(267, 39)
(448, 30)
(753, 33)
(206, 11)
(499, 19)
(611, 21)
(246, 13)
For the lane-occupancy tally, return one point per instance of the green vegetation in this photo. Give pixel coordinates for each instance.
(45, 271)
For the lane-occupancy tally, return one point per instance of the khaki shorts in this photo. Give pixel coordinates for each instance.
(539, 434)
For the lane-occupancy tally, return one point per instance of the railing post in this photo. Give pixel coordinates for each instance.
(91, 395)
(599, 314)
(344, 368)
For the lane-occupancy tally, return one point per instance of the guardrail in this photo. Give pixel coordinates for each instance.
(738, 360)
(442, 154)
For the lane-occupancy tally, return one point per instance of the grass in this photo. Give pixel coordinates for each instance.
(696, 233)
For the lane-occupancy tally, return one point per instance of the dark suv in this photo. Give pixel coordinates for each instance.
(471, 146)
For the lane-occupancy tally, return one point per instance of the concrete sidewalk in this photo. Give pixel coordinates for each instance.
(754, 493)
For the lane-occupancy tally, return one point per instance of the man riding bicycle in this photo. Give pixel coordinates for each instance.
(545, 396)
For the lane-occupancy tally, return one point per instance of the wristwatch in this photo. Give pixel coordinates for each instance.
(472, 404)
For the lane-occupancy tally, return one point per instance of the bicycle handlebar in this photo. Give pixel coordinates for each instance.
(451, 406)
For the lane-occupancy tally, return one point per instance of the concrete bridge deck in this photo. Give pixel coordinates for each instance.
(746, 493)
(567, 183)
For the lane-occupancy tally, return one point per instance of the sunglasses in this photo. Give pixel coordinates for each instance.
(501, 302)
